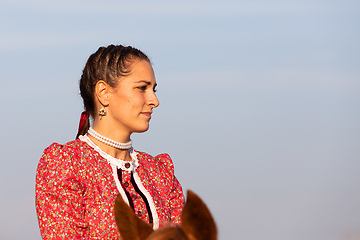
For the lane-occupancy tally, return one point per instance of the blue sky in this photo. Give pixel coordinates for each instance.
(259, 105)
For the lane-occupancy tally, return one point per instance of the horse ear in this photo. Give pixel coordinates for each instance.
(196, 219)
(129, 225)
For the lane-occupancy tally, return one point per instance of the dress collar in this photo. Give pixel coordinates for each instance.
(128, 166)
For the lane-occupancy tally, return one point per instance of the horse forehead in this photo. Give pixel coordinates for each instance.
(168, 233)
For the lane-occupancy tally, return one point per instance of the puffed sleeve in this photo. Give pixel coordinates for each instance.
(176, 201)
(59, 196)
(173, 187)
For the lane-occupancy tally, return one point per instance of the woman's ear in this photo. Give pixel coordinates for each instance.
(102, 90)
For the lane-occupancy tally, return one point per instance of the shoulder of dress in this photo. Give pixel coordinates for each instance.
(159, 157)
(61, 165)
(162, 160)
(63, 151)
(144, 158)
(164, 157)
(75, 144)
(54, 148)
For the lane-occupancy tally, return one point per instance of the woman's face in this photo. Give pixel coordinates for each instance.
(132, 101)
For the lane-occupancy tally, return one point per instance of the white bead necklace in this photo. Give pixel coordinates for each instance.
(109, 141)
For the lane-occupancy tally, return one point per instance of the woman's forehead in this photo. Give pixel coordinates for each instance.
(141, 73)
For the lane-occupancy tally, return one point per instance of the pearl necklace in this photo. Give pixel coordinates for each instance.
(109, 141)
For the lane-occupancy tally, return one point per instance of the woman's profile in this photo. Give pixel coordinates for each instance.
(77, 182)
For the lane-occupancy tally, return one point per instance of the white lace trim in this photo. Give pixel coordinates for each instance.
(119, 163)
(115, 164)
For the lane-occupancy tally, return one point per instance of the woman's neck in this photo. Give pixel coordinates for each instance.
(111, 130)
(115, 152)
(115, 135)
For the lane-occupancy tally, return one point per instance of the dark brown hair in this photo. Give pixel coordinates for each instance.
(107, 64)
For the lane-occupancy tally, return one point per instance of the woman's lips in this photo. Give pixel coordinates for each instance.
(148, 114)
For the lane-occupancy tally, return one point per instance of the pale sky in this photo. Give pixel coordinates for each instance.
(259, 105)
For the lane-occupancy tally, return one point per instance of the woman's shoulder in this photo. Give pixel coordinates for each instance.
(163, 157)
(61, 166)
(60, 150)
(162, 160)
(57, 154)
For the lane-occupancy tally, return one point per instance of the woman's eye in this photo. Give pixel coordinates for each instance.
(142, 88)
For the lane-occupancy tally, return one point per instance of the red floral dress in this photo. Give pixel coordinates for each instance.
(77, 183)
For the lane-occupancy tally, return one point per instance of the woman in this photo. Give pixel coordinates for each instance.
(77, 183)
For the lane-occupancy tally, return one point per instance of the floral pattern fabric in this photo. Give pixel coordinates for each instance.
(76, 191)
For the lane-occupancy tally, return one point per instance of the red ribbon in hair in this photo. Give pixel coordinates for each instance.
(83, 119)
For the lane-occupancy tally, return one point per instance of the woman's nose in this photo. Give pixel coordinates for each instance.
(153, 100)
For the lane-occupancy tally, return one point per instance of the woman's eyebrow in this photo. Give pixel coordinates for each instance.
(146, 82)
(143, 81)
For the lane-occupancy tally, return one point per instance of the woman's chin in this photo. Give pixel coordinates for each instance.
(143, 129)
